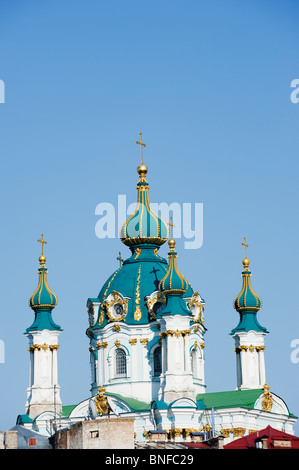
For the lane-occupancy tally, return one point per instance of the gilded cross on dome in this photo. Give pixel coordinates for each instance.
(42, 242)
(171, 225)
(142, 144)
(245, 246)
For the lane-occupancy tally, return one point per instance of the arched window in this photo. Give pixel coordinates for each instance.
(194, 363)
(157, 361)
(120, 363)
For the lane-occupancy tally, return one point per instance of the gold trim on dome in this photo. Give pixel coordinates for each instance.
(142, 240)
(101, 316)
(137, 313)
(137, 252)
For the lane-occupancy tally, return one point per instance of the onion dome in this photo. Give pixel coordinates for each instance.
(174, 285)
(43, 300)
(247, 303)
(43, 297)
(173, 282)
(144, 226)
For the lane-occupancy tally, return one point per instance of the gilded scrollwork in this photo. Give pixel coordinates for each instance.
(154, 302)
(196, 306)
(116, 306)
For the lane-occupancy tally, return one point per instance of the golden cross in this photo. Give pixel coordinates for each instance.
(142, 144)
(171, 225)
(245, 246)
(119, 258)
(42, 242)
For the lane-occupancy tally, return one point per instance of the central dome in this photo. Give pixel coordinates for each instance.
(131, 294)
(144, 226)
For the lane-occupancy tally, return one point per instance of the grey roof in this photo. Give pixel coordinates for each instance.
(24, 434)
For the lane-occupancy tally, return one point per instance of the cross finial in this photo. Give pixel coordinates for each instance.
(42, 242)
(171, 225)
(245, 246)
(142, 144)
(119, 258)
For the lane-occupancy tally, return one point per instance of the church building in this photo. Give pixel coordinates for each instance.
(146, 332)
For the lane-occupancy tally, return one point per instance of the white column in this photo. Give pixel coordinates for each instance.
(106, 371)
(187, 364)
(244, 374)
(134, 371)
(145, 362)
(262, 366)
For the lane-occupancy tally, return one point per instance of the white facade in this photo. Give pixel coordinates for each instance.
(43, 393)
(250, 360)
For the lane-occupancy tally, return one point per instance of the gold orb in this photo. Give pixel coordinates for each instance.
(142, 169)
(245, 262)
(42, 259)
(171, 243)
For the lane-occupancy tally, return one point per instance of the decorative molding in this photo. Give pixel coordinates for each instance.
(238, 432)
(152, 300)
(225, 432)
(144, 341)
(116, 327)
(196, 304)
(116, 298)
(176, 333)
(117, 343)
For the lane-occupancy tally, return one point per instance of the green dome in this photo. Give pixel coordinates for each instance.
(247, 299)
(133, 289)
(144, 226)
(247, 303)
(173, 282)
(42, 301)
(43, 297)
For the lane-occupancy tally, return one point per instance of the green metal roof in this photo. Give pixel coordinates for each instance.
(67, 409)
(235, 398)
(134, 404)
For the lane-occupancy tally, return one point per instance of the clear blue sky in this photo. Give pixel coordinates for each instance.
(208, 83)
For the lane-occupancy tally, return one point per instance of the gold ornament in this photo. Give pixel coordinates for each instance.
(267, 400)
(101, 402)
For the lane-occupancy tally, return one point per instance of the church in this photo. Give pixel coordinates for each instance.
(146, 332)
